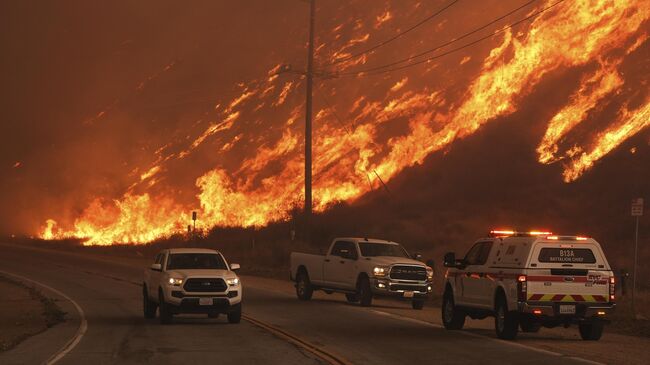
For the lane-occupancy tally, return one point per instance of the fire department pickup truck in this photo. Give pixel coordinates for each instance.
(361, 268)
(191, 280)
(528, 280)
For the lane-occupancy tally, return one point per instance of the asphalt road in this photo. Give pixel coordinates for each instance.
(107, 293)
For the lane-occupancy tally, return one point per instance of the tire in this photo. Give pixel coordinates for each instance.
(304, 290)
(364, 292)
(417, 304)
(591, 331)
(506, 323)
(351, 298)
(213, 315)
(165, 313)
(234, 316)
(148, 306)
(453, 318)
(529, 325)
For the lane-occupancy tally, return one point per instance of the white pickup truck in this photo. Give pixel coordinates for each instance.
(361, 268)
(191, 280)
(528, 280)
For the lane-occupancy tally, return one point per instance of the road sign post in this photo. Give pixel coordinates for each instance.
(637, 211)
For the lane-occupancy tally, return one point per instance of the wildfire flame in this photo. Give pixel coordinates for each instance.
(351, 154)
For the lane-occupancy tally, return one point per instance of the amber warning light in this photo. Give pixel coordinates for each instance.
(506, 233)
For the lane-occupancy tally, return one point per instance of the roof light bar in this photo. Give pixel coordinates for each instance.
(504, 233)
(567, 238)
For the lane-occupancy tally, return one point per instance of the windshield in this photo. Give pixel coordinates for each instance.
(371, 249)
(181, 261)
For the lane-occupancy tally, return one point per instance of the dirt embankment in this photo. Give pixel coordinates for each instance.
(24, 312)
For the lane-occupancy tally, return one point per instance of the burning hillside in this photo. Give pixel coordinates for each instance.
(381, 111)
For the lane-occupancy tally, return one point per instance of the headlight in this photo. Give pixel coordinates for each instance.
(429, 274)
(232, 282)
(381, 270)
(175, 281)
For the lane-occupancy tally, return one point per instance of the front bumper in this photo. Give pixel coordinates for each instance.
(401, 288)
(551, 310)
(192, 305)
(181, 301)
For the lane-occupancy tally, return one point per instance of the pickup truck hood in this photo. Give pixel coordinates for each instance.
(201, 273)
(388, 260)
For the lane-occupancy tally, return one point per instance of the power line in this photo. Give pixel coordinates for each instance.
(386, 68)
(398, 35)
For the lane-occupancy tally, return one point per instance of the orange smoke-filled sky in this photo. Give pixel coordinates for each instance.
(126, 116)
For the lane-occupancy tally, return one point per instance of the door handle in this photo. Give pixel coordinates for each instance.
(343, 262)
(327, 260)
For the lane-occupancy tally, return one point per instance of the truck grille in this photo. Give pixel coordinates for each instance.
(418, 288)
(205, 285)
(403, 272)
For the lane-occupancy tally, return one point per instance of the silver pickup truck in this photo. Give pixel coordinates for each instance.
(361, 268)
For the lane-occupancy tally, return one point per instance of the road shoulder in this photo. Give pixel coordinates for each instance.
(43, 323)
(24, 312)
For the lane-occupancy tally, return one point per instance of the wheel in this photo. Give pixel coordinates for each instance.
(529, 325)
(148, 306)
(213, 315)
(591, 331)
(304, 290)
(352, 298)
(364, 293)
(417, 304)
(234, 316)
(165, 313)
(453, 318)
(506, 323)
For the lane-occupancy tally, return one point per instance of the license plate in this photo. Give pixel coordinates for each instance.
(567, 309)
(408, 294)
(205, 301)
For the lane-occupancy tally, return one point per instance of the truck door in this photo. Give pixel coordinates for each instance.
(473, 279)
(331, 264)
(155, 277)
(339, 266)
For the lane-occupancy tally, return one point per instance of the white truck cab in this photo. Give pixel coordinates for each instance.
(528, 280)
(191, 280)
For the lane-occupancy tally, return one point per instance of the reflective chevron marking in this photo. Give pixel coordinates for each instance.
(566, 298)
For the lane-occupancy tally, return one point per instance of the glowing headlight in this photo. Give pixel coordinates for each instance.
(429, 274)
(381, 270)
(233, 282)
(175, 281)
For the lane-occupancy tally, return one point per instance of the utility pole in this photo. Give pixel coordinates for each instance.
(308, 120)
(637, 211)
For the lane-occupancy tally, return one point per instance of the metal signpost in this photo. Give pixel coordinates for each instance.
(637, 211)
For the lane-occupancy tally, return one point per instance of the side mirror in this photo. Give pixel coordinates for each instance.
(234, 267)
(156, 267)
(450, 259)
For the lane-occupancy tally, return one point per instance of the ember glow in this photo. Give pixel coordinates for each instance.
(260, 128)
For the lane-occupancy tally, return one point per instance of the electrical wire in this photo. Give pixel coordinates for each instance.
(387, 67)
(396, 36)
